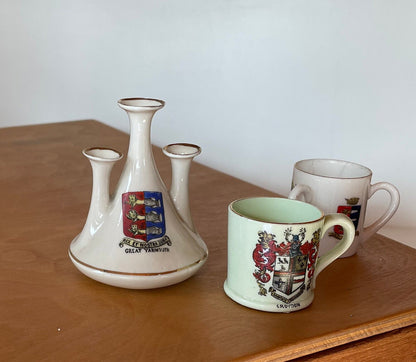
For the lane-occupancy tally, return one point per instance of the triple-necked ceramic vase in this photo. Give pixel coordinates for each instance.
(142, 236)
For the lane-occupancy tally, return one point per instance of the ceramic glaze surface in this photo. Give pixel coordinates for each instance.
(273, 265)
(333, 168)
(268, 210)
(341, 187)
(181, 155)
(140, 237)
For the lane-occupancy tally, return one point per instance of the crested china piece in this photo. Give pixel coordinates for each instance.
(342, 187)
(273, 246)
(142, 236)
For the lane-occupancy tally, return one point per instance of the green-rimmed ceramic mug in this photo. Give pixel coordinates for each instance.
(273, 246)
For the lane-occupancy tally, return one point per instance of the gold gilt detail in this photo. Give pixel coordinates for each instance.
(352, 200)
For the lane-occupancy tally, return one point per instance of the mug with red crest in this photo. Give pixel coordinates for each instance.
(342, 187)
(273, 246)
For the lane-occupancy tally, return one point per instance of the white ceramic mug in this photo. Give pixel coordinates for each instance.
(341, 187)
(273, 248)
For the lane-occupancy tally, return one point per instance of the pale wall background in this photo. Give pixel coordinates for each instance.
(258, 84)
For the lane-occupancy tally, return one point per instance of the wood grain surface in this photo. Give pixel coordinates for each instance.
(397, 345)
(50, 311)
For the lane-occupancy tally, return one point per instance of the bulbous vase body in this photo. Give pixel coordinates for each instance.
(136, 238)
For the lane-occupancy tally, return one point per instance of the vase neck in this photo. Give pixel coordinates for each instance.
(140, 147)
(140, 112)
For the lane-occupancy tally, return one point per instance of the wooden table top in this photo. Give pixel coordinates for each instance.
(50, 311)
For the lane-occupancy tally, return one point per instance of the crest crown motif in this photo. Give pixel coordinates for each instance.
(352, 200)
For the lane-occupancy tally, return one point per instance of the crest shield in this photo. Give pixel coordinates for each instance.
(143, 215)
(289, 273)
(352, 210)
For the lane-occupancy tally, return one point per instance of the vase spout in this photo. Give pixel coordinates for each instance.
(102, 161)
(181, 156)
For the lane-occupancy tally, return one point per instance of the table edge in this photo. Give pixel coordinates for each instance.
(335, 339)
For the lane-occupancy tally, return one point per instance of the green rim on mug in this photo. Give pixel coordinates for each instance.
(276, 210)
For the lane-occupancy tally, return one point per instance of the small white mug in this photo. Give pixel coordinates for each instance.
(341, 187)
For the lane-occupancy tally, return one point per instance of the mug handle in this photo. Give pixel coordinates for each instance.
(301, 190)
(382, 220)
(342, 246)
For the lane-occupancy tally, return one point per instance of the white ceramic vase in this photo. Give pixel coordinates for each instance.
(141, 237)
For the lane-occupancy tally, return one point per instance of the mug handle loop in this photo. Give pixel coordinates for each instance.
(382, 220)
(343, 245)
(301, 190)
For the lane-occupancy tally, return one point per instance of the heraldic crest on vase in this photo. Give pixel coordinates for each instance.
(352, 210)
(144, 220)
(285, 269)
